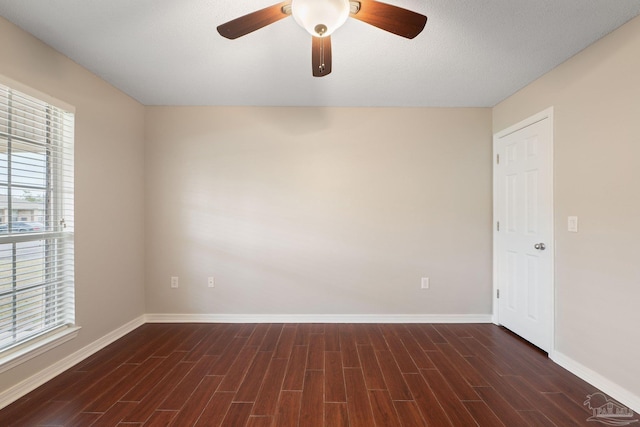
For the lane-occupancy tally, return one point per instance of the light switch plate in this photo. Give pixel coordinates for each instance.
(572, 224)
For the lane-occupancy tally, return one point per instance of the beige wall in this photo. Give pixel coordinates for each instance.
(109, 208)
(596, 99)
(318, 210)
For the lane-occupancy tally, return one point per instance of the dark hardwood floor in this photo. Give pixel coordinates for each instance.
(310, 375)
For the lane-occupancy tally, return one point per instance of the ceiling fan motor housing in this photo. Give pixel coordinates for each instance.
(320, 18)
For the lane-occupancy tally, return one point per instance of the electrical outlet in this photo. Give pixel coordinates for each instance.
(211, 282)
(424, 283)
(174, 282)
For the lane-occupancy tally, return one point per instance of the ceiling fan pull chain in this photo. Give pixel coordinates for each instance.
(322, 64)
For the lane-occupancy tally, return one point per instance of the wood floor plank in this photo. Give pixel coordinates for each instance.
(158, 419)
(238, 413)
(250, 386)
(452, 406)
(427, 402)
(461, 330)
(93, 382)
(257, 336)
(200, 349)
(121, 386)
(336, 414)
(259, 421)
(175, 341)
(408, 413)
(416, 353)
(123, 351)
(216, 410)
(142, 388)
(302, 335)
(22, 406)
(536, 419)
(483, 415)
(224, 337)
(116, 413)
(557, 415)
(332, 338)
(239, 368)
(247, 330)
(315, 358)
(370, 368)
(360, 334)
(266, 401)
(572, 386)
(579, 413)
(288, 412)
(317, 328)
(199, 332)
(421, 337)
(83, 419)
(183, 390)
(462, 365)
(348, 347)
(228, 356)
(499, 405)
(393, 377)
(453, 340)
(499, 382)
(434, 336)
(158, 393)
(104, 385)
(358, 405)
(285, 343)
(272, 337)
(334, 377)
(454, 377)
(50, 414)
(529, 355)
(484, 335)
(312, 404)
(488, 357)
(376, 338)
(400, 353)
(193, 408)
(384, 413)
(294, 378)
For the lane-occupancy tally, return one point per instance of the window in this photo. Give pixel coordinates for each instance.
(36, 221)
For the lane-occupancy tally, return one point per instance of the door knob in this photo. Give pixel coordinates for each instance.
(540, 246)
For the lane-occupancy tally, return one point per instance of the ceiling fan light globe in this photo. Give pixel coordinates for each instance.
(328, 15)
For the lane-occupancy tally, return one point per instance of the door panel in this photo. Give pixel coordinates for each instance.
(524, 249)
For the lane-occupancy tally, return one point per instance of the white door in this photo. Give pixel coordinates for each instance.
(523, 236)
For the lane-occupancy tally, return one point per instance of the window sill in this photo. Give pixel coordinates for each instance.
(15, 357)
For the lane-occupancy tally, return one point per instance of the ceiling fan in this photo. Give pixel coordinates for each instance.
(322, 17)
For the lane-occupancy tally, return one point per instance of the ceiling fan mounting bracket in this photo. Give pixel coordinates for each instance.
(354, 8)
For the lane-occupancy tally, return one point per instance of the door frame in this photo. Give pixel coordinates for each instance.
(548, 115)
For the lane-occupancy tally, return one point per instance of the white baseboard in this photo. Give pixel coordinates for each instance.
(610, 388)
(17, 391)
(318, 318)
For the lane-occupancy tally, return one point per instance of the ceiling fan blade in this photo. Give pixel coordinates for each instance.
(321, 56)
(391, 18)
(253, 21)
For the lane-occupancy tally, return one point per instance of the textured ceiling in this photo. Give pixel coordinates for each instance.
(168, 52)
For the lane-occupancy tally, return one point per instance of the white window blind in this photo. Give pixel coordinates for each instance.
(36, 219)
